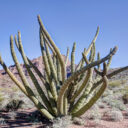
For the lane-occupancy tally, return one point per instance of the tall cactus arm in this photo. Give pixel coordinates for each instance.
(31, 95)
(81, 63)
(80, 102)
(46, 40)
(23, 78)
(76, 74)
(98, 58)
(73, 58)
(93, 99)
(109, 61)
(59, 72)
(92, 54)
(33, 66)
(55, 49)
(33, 78)
(67, 55)
(93, 41)
(44, 56)
(84, 83)
(53, 70)
(16, 42)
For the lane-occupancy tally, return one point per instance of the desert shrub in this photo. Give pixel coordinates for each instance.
(117, 83)
(117, 104)
(125, 98)
(114, 115)
(13, 105)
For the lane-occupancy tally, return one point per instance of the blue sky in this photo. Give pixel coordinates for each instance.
(66, 21)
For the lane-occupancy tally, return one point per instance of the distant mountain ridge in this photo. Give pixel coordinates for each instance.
(39, 64)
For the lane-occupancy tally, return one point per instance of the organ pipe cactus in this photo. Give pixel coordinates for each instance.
(72, 95)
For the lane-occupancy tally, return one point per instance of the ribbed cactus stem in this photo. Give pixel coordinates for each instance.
(67, 83)
(93, 99)
(67, 55)
(93, 41)
(32, 76)
(59, 72)
(92, 54)
(31, 95)
(109, 61)
(65, 104)
(52, 67)
(81, 88)
(45, 60)
(88, 85)
(55, 49)
(42, 78)
(73, 58)
(81, 63)
(98, 58)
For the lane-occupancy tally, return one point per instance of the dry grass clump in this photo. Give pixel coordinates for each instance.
(114, 115)
(62, 122)
(78, 121)
(117, 83)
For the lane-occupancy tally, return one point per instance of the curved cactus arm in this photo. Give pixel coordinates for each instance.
(73, 58)
(93, 99)
(98, 72)
(117, 71)
(67, 55)
(31, 95)
(33, 78)
(75, 75)
(55, 49)
(80, 102)
(17, 82)
(109, 76)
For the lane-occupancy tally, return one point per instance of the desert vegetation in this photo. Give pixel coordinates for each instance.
(63, 97)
